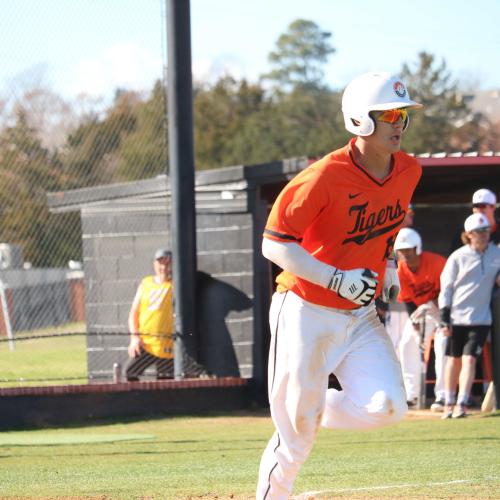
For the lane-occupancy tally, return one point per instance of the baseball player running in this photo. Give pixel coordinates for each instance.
(332, 230)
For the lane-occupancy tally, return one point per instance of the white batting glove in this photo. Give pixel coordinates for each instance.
(356, 285)
(391, 287)
(427, 311)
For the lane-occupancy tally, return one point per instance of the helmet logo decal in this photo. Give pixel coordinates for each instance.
(400, 89)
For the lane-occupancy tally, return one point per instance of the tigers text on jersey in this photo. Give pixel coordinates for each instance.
(343, 216)
(156, 317)
(424, 285)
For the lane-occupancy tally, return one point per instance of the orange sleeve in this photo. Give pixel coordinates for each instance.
(405, 294)
(298, 204)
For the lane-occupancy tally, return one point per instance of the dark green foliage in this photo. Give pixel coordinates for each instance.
(28, 171)
(300, 56)
(433, 128)
(143, 152)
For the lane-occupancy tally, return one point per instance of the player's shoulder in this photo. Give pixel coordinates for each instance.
(148, 280)
(331, 162)
(311, 175)
(402, 266)
(462, 252)
(433, 256)
(494, 248)
(406, 161)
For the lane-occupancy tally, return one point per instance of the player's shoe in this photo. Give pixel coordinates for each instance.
(470, 403)
(459, 411)
(438, 405)
(412, 403)
(447, 412)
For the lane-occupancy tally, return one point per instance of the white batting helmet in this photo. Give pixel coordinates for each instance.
(376, 91)
(408, 238)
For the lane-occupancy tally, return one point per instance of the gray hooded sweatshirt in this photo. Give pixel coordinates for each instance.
(467, 281)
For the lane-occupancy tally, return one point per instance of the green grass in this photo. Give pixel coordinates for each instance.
(218, 457)
(44, 358)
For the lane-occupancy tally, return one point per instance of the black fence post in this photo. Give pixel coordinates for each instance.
(181, 162)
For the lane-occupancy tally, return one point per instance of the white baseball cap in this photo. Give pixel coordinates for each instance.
(484, 196)
(408, 238)
(475, 222)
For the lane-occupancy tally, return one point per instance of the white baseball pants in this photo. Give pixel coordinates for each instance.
(411, 359)
(308, 343)
(394, 325)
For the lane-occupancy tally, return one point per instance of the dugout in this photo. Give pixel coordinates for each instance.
(122, 225)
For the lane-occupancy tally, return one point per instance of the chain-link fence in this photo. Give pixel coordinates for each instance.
(76, 119)
(73, 357)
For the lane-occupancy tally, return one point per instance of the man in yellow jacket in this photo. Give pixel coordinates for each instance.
(151, 322)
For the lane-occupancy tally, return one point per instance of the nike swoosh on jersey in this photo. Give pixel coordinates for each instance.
(352, 196)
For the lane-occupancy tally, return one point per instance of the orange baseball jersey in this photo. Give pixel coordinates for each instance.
(424, 285)
(343, 216)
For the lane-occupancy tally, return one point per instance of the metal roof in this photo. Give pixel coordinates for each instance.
(469, 170)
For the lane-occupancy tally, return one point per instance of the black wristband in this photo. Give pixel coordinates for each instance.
(445, 315)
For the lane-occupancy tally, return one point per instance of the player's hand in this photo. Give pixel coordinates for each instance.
(135, 345)
(356, 285)
(415, 325)
(446, 331)
(391, 287)
(426, 312)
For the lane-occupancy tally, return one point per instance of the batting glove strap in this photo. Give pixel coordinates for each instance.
(356, 285)
(336, 280)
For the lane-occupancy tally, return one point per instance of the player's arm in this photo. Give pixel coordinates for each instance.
(135, 344)
(391, 286)
(411, 307)
(415, 318)
(356, 285)
(447, 281)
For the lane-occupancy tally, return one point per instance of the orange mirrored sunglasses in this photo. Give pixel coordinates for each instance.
(393, 115)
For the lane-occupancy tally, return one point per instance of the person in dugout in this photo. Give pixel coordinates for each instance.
(467, 283)
(419, 277)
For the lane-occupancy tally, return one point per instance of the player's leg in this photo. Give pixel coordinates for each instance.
(164, 368)
(373, 393)
(394, 325)
(473, 347)
(439, 365)
(136, 366)
(409, 354)
(454, 350)
(298, 378)
(465, 380)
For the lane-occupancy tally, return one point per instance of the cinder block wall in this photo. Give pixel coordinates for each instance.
(119, 241)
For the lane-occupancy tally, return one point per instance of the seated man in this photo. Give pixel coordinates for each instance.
(419, 273)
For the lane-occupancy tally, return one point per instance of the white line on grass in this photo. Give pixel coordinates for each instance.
(304, 496)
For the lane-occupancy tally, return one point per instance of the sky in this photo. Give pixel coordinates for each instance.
(94, 46)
